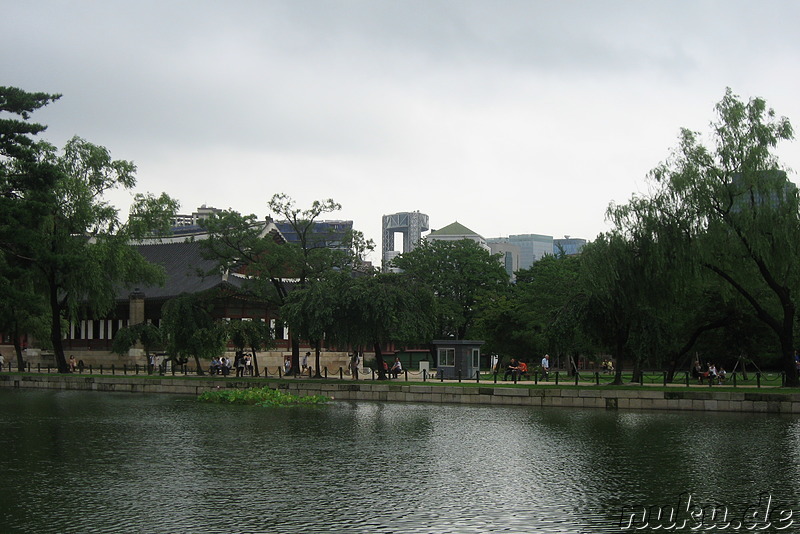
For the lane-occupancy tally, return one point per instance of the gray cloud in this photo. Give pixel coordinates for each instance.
(533, 114)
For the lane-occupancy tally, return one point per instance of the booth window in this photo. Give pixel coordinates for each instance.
(447, 357)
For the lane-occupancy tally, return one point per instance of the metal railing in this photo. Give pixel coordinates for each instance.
(643, 378)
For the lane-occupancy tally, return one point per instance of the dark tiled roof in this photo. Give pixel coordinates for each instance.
(185, 270)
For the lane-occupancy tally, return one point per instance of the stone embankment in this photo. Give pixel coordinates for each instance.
(697, 399)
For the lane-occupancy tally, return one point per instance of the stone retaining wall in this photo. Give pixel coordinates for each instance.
(601, 397)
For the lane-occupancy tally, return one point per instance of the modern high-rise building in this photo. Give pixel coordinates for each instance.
(330, 234)
(532, 247)
(569, 246)
(409, 223)
(510, 256)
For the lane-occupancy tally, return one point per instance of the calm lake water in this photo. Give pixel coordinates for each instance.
(98, 462)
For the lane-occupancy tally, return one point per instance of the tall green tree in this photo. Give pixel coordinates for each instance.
(16, 132)
(22, 308)
(611, 281)
(681, 302)
(363, 311)
(731, 209)
(385, 309)
(274, 267)
(82, 249)
(462, 276)
(56, 221)
(191, 330)
(548, 290)
(536, 315)
(315, 312)
(505, 327)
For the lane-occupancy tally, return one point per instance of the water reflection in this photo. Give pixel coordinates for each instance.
(92, 462)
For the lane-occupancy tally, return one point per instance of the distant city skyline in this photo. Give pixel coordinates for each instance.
(412, 226)
(509, 116)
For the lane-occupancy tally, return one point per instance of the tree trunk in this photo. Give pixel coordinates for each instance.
(619, 356)
(637, 369)
(55, 328)
(295, 355)
(18, 350)
(200, 371)
(789, 365)
(317, 373)
(680, 358)
(255, 363)
(742, 358)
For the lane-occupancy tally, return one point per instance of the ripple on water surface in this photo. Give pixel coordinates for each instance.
(89, 462)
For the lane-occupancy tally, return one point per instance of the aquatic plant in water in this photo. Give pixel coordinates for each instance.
(259, 397)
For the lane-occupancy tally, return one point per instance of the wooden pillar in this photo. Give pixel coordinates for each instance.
(136, 307)
(136, 316)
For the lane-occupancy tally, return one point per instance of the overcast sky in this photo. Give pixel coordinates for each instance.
(511, 117)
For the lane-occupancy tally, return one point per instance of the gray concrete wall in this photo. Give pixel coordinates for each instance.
(641, 399)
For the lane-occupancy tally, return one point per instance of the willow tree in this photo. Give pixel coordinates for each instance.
(363, 311)
(731, 211)
(190, 329)
(315, 312)
(148, 335)
(611, 279)
(671, 295)
(254, 335)
(386, 309)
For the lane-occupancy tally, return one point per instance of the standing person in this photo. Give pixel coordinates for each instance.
(545, 366)
(355, 362)
(248, 363)
(304, 362)
(2, 361)
(239, 362)
(287, 364)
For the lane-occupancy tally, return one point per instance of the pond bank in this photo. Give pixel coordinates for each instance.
(694, 399)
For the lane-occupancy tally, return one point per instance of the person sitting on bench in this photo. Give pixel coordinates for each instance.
(511, 369)
(523, 369)
(397, 368)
